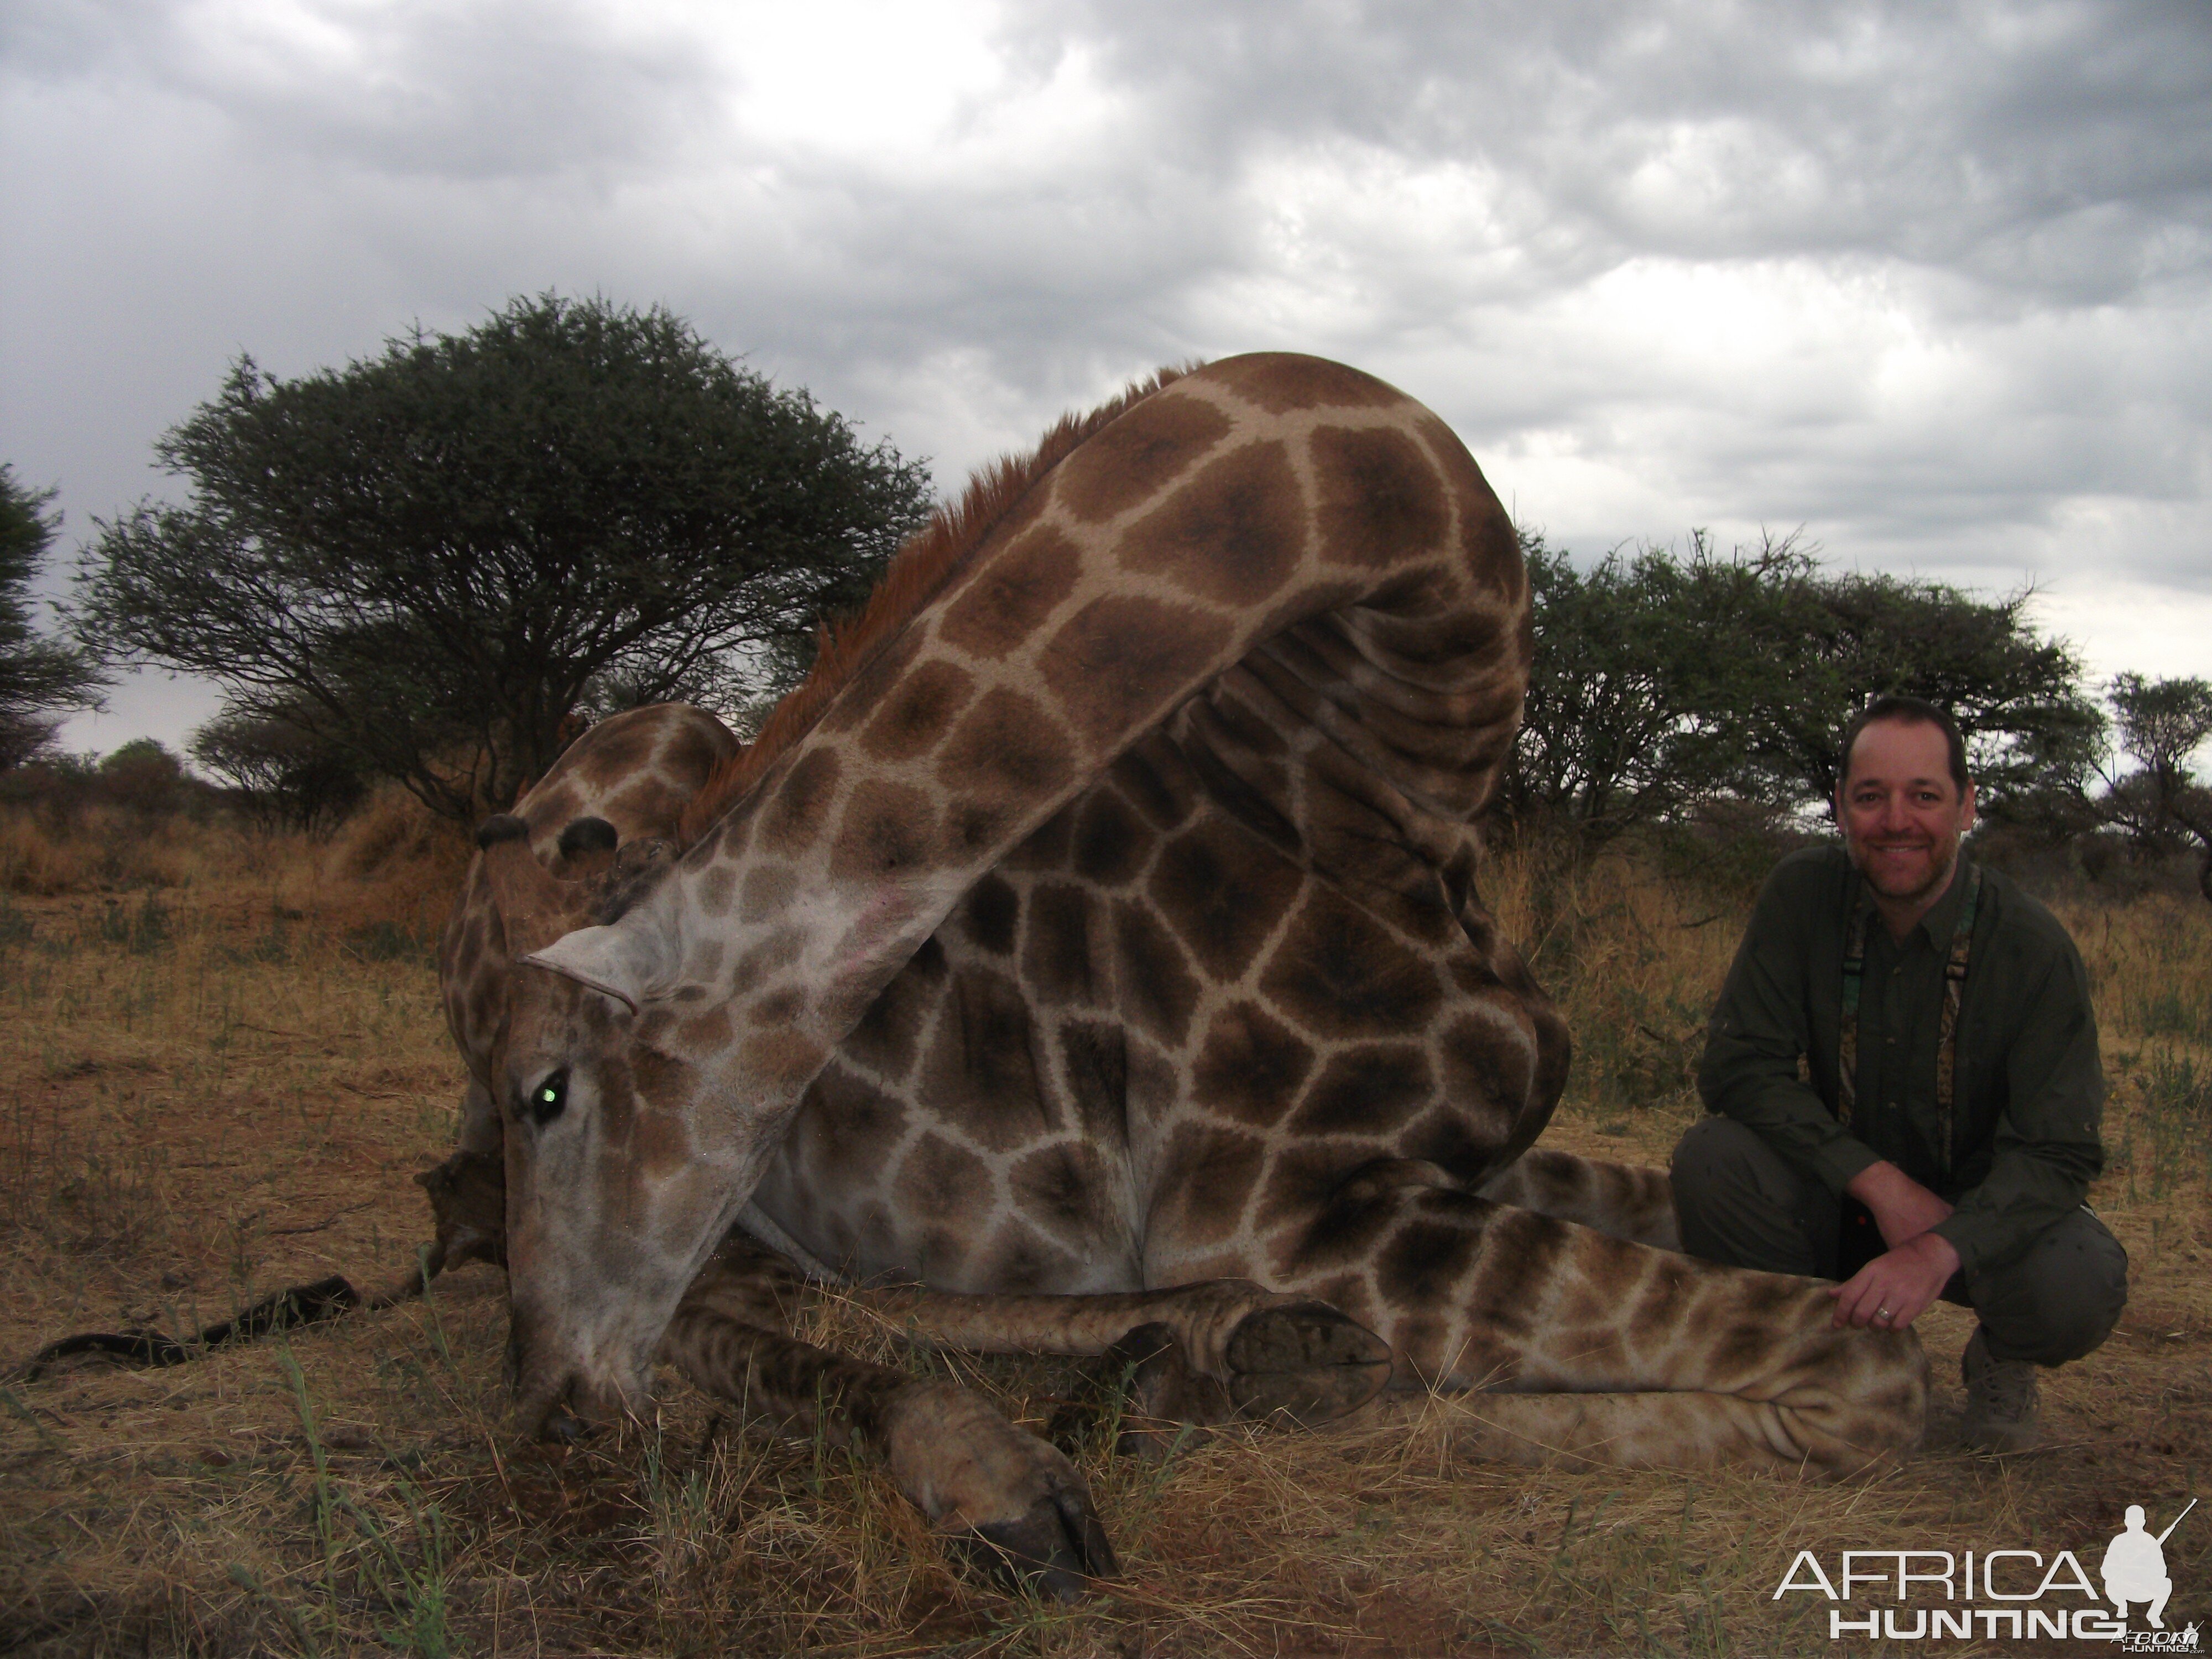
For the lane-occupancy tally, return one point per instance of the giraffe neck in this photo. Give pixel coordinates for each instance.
(1112, 595)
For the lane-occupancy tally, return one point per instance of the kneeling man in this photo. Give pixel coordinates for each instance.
(1903, 1068)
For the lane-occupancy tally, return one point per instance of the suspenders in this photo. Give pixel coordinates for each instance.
(1947, 1040)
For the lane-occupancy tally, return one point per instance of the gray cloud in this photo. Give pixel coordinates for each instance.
(1930, 279)
(2006, 141)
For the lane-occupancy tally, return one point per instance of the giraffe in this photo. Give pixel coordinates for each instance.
(627, 783)
(1013, 1498)
(1096, 939)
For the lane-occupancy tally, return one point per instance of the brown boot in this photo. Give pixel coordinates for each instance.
(2002, 1414)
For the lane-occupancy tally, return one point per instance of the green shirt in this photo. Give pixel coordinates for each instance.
(2029, 1089)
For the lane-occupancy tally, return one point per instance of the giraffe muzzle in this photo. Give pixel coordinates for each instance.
(559, 1395)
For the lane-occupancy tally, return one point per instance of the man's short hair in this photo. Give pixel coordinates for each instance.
(1911, 711)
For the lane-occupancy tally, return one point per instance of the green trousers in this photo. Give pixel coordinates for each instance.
(1739, 1204)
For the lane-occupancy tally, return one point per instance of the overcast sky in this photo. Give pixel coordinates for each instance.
(1929, 280)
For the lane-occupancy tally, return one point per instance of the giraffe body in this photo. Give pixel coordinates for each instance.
(1110, 924)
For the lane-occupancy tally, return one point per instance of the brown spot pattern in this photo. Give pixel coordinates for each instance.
(1251, 1065)
(1059, 957)
(981, 1072)
(1206, 1174)
(1109, 839)
(990, 914)
(1121, 660)
(798, 813)
(1009, 600)
(918, 711)
(1058, 1186)
(887, 831)
(1340, 974)
(1232, 536)
(945, 1184)
(848, 1124)
(1095, 1074)
(1010, 748)
(888, 1038)
(1137, 456)
(1484, 1066)
(1280, 381)
(1158, 990)
(1378, 497)
(1369, 1090)
(1223, 892)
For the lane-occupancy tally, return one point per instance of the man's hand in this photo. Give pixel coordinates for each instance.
(1896, 1288)
(1903, 1208)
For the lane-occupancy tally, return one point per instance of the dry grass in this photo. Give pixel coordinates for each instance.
(218, 1087)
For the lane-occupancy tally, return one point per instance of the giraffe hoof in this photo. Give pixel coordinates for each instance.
(1055, 1548)
(1305, 1361)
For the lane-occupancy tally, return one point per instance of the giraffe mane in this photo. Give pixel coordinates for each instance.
(925, 562)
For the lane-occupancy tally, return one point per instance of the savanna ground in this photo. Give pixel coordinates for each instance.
(222, 1058)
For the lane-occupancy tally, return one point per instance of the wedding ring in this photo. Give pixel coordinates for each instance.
(1882, 1313)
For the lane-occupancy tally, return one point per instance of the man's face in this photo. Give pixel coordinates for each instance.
(1902, 814)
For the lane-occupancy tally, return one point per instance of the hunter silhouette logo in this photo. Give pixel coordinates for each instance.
(2135, 1567)
(2001, 1594)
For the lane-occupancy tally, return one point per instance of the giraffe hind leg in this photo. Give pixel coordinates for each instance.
(1152, 1399)
(1291, 1355)
(1624, 1200)
(1301, 1363)
(1561, 1342)
(1680, 1430)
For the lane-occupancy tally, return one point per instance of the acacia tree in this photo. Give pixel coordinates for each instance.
(282, 769)
(1662, 683)
(1653, 680)
(2030, 726)
(2161, 805)
(40, 678)
(442, 554)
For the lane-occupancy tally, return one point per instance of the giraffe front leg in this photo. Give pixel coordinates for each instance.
(1549, 1341)
(468, 1203)
(1011, 1499)
(1268, 1354)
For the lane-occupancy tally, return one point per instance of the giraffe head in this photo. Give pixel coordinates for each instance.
(603, 1187)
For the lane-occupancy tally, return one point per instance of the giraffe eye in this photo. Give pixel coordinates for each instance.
(550, 1099)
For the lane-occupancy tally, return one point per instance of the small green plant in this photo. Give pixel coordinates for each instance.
(417, 1592)
(2170, 1011)
(2177, 1115)
(247, 1580)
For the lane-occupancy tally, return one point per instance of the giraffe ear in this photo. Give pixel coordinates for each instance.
(624, 962)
